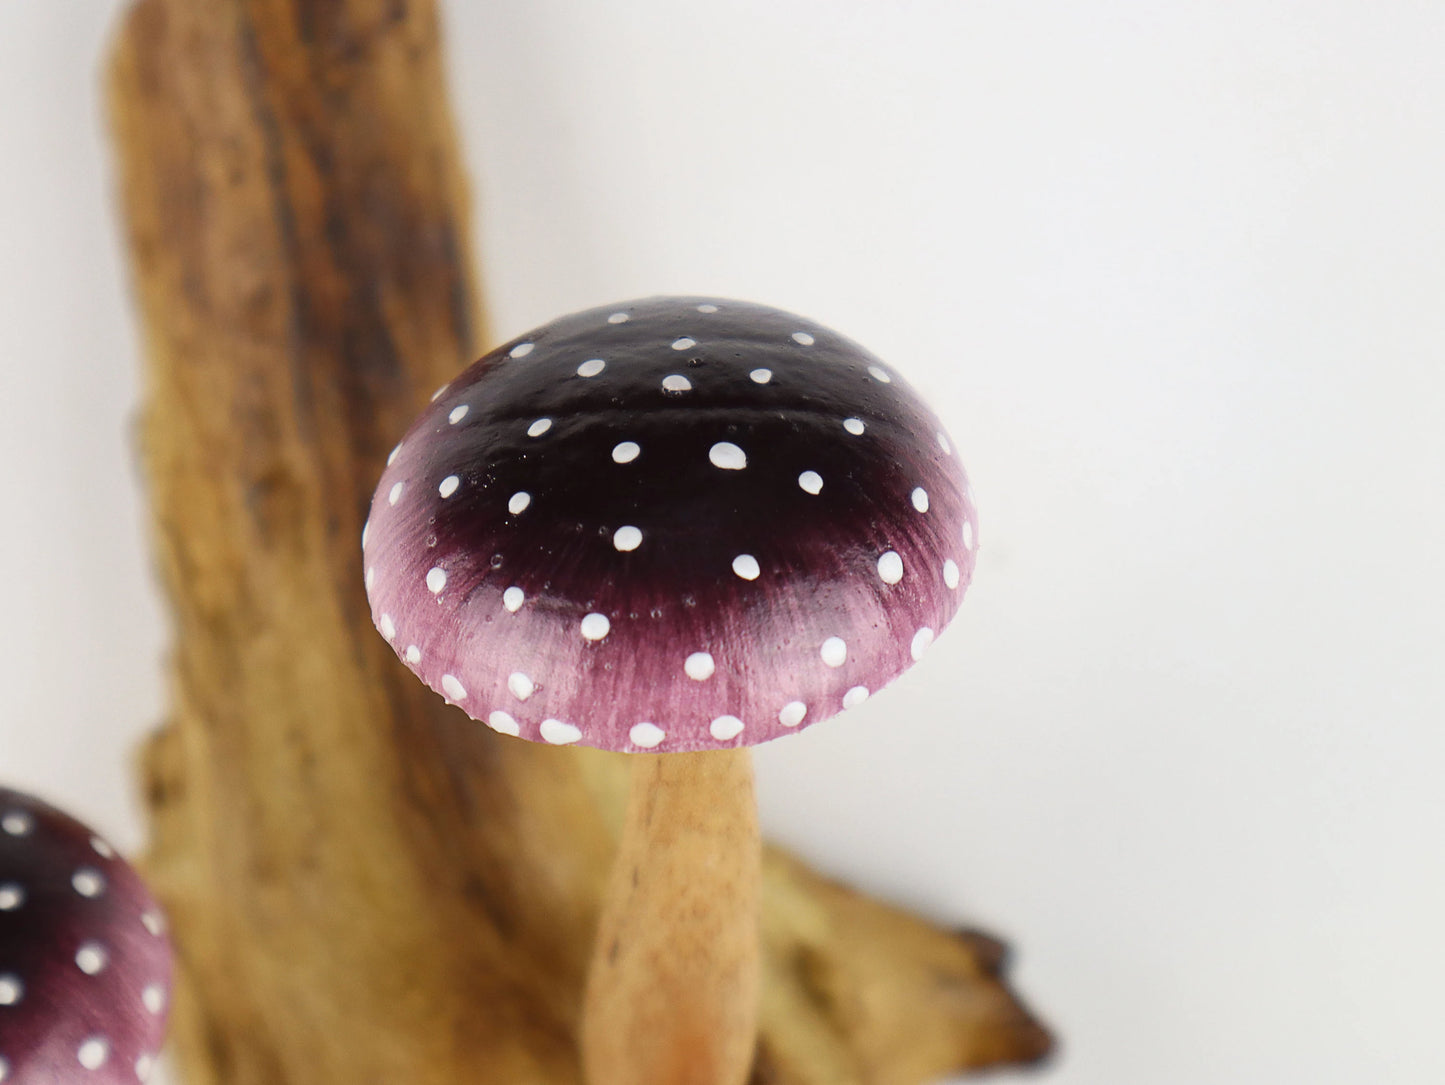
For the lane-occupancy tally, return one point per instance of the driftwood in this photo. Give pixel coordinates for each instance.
(366, 886)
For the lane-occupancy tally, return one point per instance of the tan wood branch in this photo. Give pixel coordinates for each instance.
(366, 886)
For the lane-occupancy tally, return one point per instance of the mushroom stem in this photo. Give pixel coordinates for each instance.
(672, 996)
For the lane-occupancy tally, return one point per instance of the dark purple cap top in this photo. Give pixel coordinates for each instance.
(85, 965)
(672, 524)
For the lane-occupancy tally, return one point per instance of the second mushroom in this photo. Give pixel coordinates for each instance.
(676, 527)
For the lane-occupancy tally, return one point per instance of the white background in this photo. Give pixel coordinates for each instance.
(1172, 274)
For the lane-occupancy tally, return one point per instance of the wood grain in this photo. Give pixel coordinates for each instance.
(366, 886)
(672, 994)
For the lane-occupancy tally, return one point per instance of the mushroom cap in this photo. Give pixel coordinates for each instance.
(678, 523)
(85, 964)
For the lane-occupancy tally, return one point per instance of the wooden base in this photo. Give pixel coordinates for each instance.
(365, 885)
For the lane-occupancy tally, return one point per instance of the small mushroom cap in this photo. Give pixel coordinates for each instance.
(85, 964)
(671, 524)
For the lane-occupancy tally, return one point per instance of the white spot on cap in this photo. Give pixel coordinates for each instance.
(804, 338)
(521, 350)
(854, 426)
(685, 343)
(646, 735)
(921, 640)
(520, 685)
(413, 654)
(950, 573)
(627, 538)
(91, 958)
(513, 598)
(792, 713)
(370, 578)
(458, 413)
(676, 382)
(746, 566)
(93, 1053)
(153, 922)
(154, 998)
(11, 990)
(88, 882)
(811, 481)
(591, 367)
(890, 567)
(728, 456)
(878, 373)
(449, 485)
(595, 626)
(943, 443)
(626, 452)
(855, 696)
(439, 392)
(725, 728)
(436, 579)
(17, 823)
(518, 502)
(502, 723)
(539, 427)
(453, 687)
(967, 535)
(394, 453)
(920, 498)
(395, 495)
(143, 1067)
(699, 666)
(707, 307)
(617, 318)
(761, 376)
(834, 651)
(386, 626)
(11, 897)
(558, 733)
(365, 531)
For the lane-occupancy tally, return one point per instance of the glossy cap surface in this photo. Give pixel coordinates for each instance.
(85, 965)
(672, 524)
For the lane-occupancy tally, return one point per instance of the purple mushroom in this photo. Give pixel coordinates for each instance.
(669, 525)
(85, 964)
(673, 525)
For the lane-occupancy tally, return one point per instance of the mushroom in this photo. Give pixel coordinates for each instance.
(675, 527)
(85, 964)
